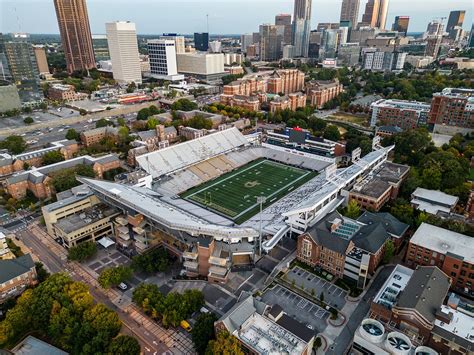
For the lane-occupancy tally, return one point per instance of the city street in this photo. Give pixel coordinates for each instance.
(153, 338)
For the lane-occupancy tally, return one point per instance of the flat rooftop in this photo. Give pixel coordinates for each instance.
(461, 327)
(444, 241)
(85, 218)
(392, 288)
(267, 337)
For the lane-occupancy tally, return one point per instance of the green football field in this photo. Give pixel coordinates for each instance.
(234, 195)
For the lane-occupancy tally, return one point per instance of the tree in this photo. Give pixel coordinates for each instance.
(156, 260)
(41, 272)
(203, 331)
(131, 87)
(321, 296)
(334, 313)
(65, 179)
(224, 344)
(82, 111)
(154, 110)
(82, 251)
(389, 251)
(332, 133)
(317, 343)
(124, 345)
(28, 120)
(143, 114)
(103, 123)
(184, 105)
(113, 276)
(72, 134)
(411, 146)
(152, 123)
(352, 210)
(14, 144)
(403, 211)
(52, 157)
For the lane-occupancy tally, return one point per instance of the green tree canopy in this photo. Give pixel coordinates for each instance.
(156, 260)
(52, 157)
(224, 344)
(65, 179)
(332, 133)
(124, 345)
(184, 105)
(103, 123)
(203, 332)
(28, 120)
(14, 144)
(82, 251)
(114, 276)
(72, 134)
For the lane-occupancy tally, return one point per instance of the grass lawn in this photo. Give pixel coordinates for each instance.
(234, 195)
(347, 117)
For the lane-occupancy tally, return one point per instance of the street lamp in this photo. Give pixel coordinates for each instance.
(261, 200)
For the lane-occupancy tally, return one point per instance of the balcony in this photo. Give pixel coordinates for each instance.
(216, 270)
(139, 230)
(121, 221)
(191, 265)
(190, 255)
(220, 262)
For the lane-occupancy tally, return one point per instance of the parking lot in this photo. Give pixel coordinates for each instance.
(333, 295)
(107, 259)
(297, 307)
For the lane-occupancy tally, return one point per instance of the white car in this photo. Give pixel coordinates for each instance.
(122, 286)
(61, 129)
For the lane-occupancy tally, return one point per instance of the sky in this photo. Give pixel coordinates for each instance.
(225, 16)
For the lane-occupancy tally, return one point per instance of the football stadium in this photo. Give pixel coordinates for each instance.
(235, 194)
(218, 200)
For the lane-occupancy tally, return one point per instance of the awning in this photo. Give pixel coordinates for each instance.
(106, 242)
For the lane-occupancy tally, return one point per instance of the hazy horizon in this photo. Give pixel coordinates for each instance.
(188, 16)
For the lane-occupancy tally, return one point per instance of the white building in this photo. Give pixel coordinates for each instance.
(245, 41)
(231, 58)
(379, 60)
(207, 66)
(288, 51)
(215, 46)
(178, 40)
(123, 48)
(162, 56)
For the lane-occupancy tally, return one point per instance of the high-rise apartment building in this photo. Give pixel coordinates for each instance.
(302, 27)
(350, 11)
(456, 19)
(270, 43)
(433, 45)
(284, 20)
(470, 42)
(21, 58)
(76, 38)
(4, 68)
(245, 41)
(162, 56)
(401, 24)
(201, 41)
(376, 13)
(178, 40)
(123, 48)
(41, 60)
(101, 48)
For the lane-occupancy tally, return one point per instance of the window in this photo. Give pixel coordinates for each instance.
(307, 246)
(453, 274)
(455, 266)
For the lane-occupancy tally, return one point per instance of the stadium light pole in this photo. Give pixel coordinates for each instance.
(261, 200)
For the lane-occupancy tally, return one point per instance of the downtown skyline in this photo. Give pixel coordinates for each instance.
(154, 18)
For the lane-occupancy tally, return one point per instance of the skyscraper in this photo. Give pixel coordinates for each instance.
(401, 24)
(456, 19)
(270, 43)
(284, 20)
(4, 67)
(301, 27)
(123, 49)
(163, 64)
(178, 40)
(75, 31)
(350, 11)
(375, 14)
(455, 22)
(201, 41)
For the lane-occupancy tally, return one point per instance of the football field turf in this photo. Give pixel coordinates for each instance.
(234, 195)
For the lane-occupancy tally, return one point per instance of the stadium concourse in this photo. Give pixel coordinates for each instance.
(204, 206)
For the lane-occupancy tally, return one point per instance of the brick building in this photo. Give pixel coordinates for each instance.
(319, 92)
(39, 182)
(452, 252)
(251, 103)
(399, 113)
(376, 190)
(290, 102)
(60, 92)
(14, 163)
(94, 136)
(285, 81)
(349, 248)
(17, 274)
(453, 108)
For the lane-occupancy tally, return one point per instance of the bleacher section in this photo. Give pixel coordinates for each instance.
(180, 156)
(212, 168)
